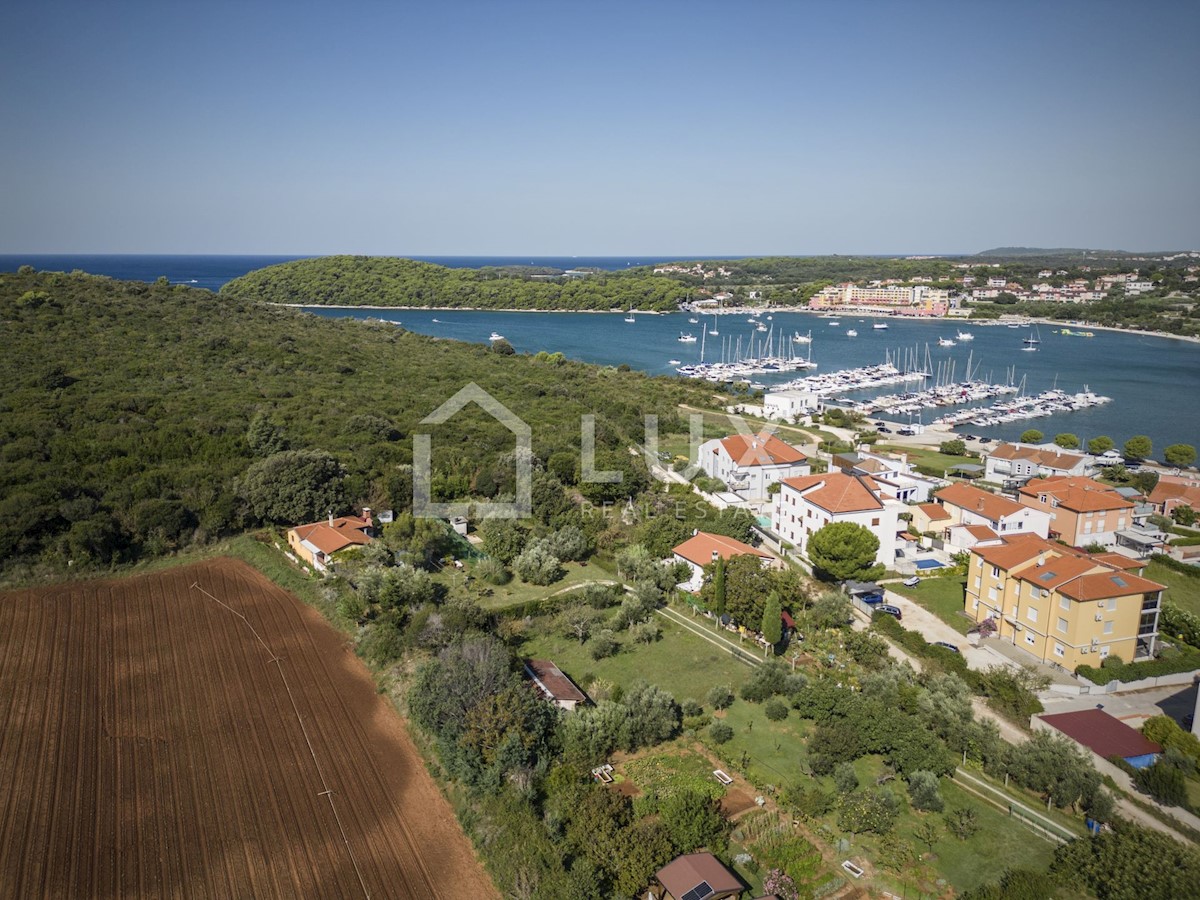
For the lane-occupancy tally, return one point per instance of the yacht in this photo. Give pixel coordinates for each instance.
(496, 336)
(630, 318)
(966, 335)
(880, 326)
(674, 362)
(693, 320)
(687, 338)
(850, 332)
(799, 338)
(946, 342)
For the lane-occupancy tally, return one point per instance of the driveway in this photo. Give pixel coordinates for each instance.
(917, 618)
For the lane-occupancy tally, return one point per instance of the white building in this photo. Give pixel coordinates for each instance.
(703, 548)
(1021, 461)
(895, 475)
(809, 503)
(787, 405)
(749, 464)
(981, 517)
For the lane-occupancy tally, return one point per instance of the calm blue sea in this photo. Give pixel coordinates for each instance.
(1154, 381)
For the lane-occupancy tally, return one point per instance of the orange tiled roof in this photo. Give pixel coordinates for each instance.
(344, 532)
(1076, 493)
(1101, 585)
(762, 449)
(935, 511)
(1017, 549)
(837, 492)
(1189, 494)
(981, 532)
(700, 547)
(991, 506)
(1048, 458)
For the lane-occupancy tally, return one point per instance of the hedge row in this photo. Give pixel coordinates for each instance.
(1188, 661)
(1171, 563)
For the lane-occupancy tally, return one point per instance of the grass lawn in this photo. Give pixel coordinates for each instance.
(682, 663)
(517, 591)
(1182, 590)
(921, 456)
(941, 596)
(773, 751)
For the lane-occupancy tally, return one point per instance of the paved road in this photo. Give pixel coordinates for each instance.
(918, 619)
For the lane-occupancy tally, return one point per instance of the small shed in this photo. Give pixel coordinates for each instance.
(553, 684)
(1105, 736)
(698, 876)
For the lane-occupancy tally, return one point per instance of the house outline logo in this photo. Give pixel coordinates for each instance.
(423, 504)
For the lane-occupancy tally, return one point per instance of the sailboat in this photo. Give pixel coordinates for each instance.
(687, 338)
(629, 318)
(713, 331)
(1031, 342)
(946, 342)
(799, 338)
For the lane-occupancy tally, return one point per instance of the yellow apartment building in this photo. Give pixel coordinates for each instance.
(1062, 605)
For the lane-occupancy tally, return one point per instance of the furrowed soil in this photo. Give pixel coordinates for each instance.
(202, 733)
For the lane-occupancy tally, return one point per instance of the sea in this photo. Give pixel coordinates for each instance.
(1154, 381)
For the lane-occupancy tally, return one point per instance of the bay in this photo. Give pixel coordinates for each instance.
(1154, 382)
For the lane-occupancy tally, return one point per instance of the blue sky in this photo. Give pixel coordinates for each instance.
(598, 128)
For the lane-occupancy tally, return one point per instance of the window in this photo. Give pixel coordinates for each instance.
(1062, 625)
(875, 521)
(992, 594)
(975, 605)
(1030, 639)
(1108, 627)
(995, 571)
(1112, 602)
(978, 582)
(1064, 603)
(1031, 614)
(1058, 650)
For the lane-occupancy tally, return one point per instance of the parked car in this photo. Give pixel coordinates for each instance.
(884, 429)
(871, 599)
(948, 646)
(911, 582)
(888, 609)
(908, 432)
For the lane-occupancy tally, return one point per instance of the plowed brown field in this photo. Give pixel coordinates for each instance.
(202, 733)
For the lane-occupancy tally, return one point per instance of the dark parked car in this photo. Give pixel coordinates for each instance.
(949, 647)
(884, 429)
(890, 610)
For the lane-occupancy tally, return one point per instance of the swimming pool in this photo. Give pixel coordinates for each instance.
(926, 564)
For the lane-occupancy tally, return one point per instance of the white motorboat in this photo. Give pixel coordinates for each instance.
(850, 332)
(687, 338)
(799, 338)
(496, 336)
(674, 362)
(966, 335)
(946, 342)
(880, 326)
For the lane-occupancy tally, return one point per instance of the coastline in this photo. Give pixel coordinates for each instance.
(747, 310)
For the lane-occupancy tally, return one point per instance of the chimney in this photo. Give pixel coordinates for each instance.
(367, 514)
(331, 518)
(715, 555)
(1041, 558)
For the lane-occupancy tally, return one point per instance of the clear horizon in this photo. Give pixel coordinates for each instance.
(700, 128)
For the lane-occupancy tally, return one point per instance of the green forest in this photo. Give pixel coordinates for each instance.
(390, 281)
(138, 418)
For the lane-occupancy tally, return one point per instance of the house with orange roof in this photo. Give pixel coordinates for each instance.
(978, 515)
(1082, 511)
(930, 517)
(807, 504)
(702, 549)
(1063, 605)
(1173, 491)
(316, 543)
(750, 463)
(1017, 462)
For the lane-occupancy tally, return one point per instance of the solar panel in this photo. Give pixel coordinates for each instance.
(699, 892)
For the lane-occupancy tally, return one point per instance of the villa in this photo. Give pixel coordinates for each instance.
(316, 543)
(750, 464)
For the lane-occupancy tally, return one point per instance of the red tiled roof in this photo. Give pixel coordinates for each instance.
(1102, 585)
(685, 872)
(837, 492)
(1187, 493)
(344, 532)
(1119, 561)
(991, 506)
(762, 449)
(1076, 493)
(1017, 549)
(701, 546)
(1101, 733)
(935, 511)
(980, 532)
(1048, 458)
(551, 678)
